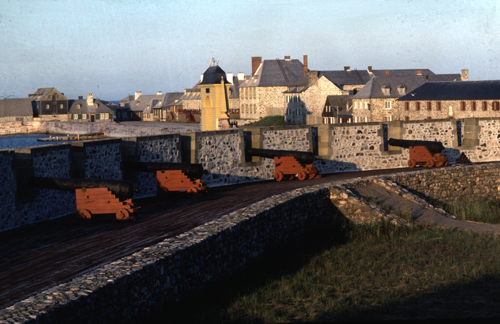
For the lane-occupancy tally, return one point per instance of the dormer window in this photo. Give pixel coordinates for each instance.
(386, 90)
(402, 90)
(79, 106)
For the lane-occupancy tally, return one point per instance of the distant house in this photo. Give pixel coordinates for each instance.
(167, 108)
(50, 104)
(123, 111)
(376, 101)
(89, 110)
(439, 100)
(337, 109)
(17, 109)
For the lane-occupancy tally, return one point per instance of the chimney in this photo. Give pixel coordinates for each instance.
(137, 94)
(256, 61)
(418, 72)
(370, 70)
(80, 97)
(426, 78)
(347, 68)
(241, 76)
(90, 99)
(306, 68)
(201, 77)
(158, 93)
(387, 73)
(287, 57)
(230, 77)
(465, 75)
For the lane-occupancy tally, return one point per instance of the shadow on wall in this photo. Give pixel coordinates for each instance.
(451, 154)
(330, 166)
(220, 179)
(296, 112)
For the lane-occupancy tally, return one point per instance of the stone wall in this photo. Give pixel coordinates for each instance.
(458, 183)
(17, 127)
(130, 287)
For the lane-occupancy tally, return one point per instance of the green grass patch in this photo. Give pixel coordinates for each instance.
(476, 211)
(378, 272)
(269, 121)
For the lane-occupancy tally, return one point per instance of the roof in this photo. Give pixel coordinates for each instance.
(80, 106)
(169, 99)
(193, 93)
(463, 90)
(41, 93)
(17, 107)
(353, 77)
(373, 88)
(274, 73)
(340, 105)
(213, 75)
(145, 103)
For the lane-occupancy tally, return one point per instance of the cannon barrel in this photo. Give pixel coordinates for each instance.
(191, 170)
(121, 189)
(303, 157)
(433, 147)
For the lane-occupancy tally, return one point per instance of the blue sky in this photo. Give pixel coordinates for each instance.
(112, 48)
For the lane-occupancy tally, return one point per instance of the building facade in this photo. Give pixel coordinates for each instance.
(50, 104)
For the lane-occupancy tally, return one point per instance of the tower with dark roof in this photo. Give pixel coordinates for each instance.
(214, 91)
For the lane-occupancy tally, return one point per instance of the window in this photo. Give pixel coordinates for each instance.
(438, 106)
(332, 120)
(98, 116)
(429, 105)
(417, 105)
(462, 105)
(496, 106)
(402, 90)
(407, 118)
(47, 106)
(79, 116)
(485, 105)
(407, 105)
(473, 108)
(61, 106)
(367, 106)
(386, 90)
(388, 118)
(355, 105)
(366, 119)
(387, 105)
(207, 90)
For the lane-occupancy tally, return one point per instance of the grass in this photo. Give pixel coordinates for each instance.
(269, 121)
(377, 272)
(476, 211)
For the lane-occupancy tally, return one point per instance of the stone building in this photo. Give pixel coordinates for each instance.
(214, 92)
(376, 101)
(50, 104)
(337, 109)
(167, 108)
(439, 100)
(89, 110)
(17, 109)
(261, 93)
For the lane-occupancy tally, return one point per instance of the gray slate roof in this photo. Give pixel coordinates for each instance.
(17, 107)
(169, 100)
(192, 93)
(145, 103)
(275, 73)
(373, 88)
(86, 109)
(352, 77)
(464, 90)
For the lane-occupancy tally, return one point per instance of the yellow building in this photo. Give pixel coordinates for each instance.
(214, 99)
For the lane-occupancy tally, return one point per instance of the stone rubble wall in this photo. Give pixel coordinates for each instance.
(460, 182)
(132, 286)
(17, 127)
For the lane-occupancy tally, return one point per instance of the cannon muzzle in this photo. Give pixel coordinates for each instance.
(302, 157)
(433, 147)
(191, 170)
(121, 189)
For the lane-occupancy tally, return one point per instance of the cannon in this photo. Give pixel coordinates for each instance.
(95, 196)
(289, 163)
(425, 153)
(172, 176)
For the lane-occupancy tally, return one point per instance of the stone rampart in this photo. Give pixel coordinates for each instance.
(177, 267)
(341, 147)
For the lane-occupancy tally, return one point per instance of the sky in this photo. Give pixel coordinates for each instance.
(112, 48)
